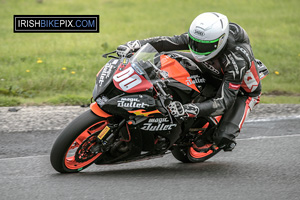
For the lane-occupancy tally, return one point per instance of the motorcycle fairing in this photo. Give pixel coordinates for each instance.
(98, 111)
(176, 71)
(104, 77)
(130, 79)
(125, 105)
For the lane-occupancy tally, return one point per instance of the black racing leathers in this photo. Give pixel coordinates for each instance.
(234, 70)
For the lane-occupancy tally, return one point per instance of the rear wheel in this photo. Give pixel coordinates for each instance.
(71, 151)
(180, 154)
(189, 154)
(195, 156)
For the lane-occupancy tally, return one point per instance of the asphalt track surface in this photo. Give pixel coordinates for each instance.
(264, 165)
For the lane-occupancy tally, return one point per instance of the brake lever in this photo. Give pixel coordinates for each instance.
(107, 55)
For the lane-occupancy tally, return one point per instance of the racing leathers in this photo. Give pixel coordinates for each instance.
(233, 71)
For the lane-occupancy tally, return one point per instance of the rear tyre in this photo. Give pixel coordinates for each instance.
(195, 156)
(189, 155)
(180, 154)
(67, 154)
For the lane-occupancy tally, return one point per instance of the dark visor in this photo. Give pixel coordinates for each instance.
(202, 47)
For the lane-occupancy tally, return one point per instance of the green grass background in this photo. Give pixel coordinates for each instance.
(273, 27)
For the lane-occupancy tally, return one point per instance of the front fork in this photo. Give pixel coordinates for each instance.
(107, 136)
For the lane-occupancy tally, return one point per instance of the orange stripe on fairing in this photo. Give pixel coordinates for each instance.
(176, 71)
(98, 111)
(141, 112)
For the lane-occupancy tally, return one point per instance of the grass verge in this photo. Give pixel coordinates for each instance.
(54, 68)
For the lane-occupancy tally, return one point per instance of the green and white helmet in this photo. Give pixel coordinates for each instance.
(208, 34)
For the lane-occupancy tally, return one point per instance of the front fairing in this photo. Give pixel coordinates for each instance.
(141, 73)
(127, 75)
(131, 104)
(104, 78)
(131, 78)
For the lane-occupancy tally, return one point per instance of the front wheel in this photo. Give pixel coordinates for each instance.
(71, 150)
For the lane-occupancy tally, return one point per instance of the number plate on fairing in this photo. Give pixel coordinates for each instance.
(128, 80)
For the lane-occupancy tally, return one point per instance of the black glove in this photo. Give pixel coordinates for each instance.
(131, 46)
(187, 110)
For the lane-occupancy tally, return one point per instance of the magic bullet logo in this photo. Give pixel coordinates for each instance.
(56, 23)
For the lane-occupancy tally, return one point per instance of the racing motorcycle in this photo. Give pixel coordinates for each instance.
(132, 117)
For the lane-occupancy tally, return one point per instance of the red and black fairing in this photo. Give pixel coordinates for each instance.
(126, 105)
(185, 79)
(126, 89)
(131, 78)
(104, 84)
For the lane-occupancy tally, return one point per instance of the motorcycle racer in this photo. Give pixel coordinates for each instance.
(223, 52)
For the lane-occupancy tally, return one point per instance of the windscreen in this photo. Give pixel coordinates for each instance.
(145, 61)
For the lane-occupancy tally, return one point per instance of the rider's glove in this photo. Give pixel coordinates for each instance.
(187, 110)
(125, 49)
(191, 110)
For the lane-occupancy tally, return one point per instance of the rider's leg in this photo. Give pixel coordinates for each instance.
(232, 122)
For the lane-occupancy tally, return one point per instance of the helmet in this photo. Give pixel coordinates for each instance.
(208, 34)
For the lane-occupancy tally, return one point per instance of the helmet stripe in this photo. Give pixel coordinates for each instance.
(203, 41)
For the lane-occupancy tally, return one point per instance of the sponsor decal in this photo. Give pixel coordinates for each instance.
(211, 68)
(103, 132)
(158, 120)
(158, 124)
(199, 32)
(233, 63)
(131, 103)
(244, 52)
(194, 79)
(105, 73)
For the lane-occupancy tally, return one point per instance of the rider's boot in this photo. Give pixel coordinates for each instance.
(226, 144)
(201, 146)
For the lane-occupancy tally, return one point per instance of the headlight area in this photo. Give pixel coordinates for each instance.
(101, 100)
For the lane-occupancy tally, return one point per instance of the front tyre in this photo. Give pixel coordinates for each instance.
(70, 153)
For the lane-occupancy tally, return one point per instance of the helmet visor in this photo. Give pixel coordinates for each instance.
(203, 47)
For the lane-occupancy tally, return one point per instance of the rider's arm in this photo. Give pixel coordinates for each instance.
(160, 43)
(166, 43)
(233, 76)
